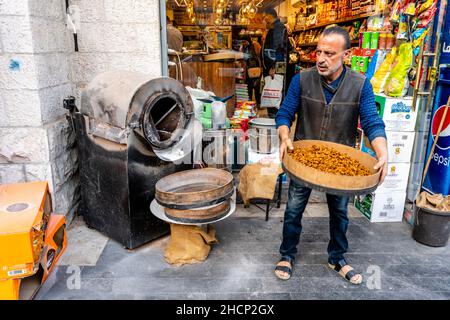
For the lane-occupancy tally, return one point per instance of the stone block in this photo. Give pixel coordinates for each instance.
(18, 71)
(52, 69)
(61, 139)
(147, 65)
(23, 145)
(109, 37)
(49, 35)
(12, 173)
(87, 65)
(20, 108)
(38, 172)
(67, 197)
(51, 102)
(54, 9)
(64, 168)
(90, 11)
(8, 7)
(136, 11)
(148, 36)
(16, 34)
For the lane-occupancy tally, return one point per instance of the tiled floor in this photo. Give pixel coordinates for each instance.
(394, 266)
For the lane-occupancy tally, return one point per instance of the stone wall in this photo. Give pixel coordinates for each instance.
(39, 68)
(116, 35)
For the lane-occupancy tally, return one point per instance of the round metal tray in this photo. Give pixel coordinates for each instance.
(158, 211)
(194, 188)
(329, 182)
(199, 215)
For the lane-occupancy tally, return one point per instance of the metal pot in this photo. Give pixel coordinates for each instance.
(263, 135)
(218, 149)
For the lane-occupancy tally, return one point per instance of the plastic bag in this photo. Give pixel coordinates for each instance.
(199, 94)
(375, 63)
(382, 73)
(397, 82)
(272, 92)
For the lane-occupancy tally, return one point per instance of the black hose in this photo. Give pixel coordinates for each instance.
(75, 38)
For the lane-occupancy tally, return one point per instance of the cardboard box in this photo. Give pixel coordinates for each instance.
(382, 207)
(400, 145)
(397, 178)
(397, 113)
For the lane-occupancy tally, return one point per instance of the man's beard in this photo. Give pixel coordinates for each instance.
(329, 72)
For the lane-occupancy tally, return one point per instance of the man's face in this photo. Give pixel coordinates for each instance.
(268, 19)
(330, 53)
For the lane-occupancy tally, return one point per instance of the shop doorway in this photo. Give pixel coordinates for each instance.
(228, 47)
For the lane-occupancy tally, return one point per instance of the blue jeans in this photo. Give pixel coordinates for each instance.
(292, 226)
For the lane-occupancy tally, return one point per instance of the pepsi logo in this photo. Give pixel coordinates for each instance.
(444, 137)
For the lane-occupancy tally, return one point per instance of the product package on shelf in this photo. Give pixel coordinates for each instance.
(244, 111)
(241, 92)
(397, 82)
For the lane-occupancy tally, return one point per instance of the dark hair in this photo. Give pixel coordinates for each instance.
(271, 11)
(340, 31)
(167, 19)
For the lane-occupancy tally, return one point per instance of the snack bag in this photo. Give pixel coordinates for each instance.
(418, 37)
(397, 82)
(382, 73)
(375, 63)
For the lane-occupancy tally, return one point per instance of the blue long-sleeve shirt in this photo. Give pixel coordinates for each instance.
(371, 122)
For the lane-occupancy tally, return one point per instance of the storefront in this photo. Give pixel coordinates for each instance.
(232, 48)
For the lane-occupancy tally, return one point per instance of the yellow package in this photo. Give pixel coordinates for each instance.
(397, 82)
(382, 73)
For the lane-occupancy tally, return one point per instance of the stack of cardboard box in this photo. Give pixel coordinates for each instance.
(386, 204)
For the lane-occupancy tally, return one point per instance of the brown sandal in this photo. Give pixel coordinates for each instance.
(349, 275)
(286, 269)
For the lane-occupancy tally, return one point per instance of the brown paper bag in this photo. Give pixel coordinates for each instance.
(258, 181)
(189, 244)
(433, 201)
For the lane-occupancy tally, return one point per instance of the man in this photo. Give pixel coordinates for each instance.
(274, 48)
(329, 98)
(174, 37)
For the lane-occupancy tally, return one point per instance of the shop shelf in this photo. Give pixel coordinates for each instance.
(348, 19)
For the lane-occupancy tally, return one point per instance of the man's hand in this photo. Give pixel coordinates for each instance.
(382, 163)
(285, 140)
(379, 144)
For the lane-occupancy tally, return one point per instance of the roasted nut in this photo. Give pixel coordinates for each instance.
(329, 160)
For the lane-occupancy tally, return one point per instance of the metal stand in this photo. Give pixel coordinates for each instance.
(268, 201)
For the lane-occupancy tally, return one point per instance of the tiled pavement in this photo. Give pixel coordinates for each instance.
(241, 265)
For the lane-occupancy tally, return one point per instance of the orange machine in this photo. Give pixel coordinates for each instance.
(32, 239)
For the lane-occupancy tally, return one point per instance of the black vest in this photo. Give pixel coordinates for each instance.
(336, 121)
